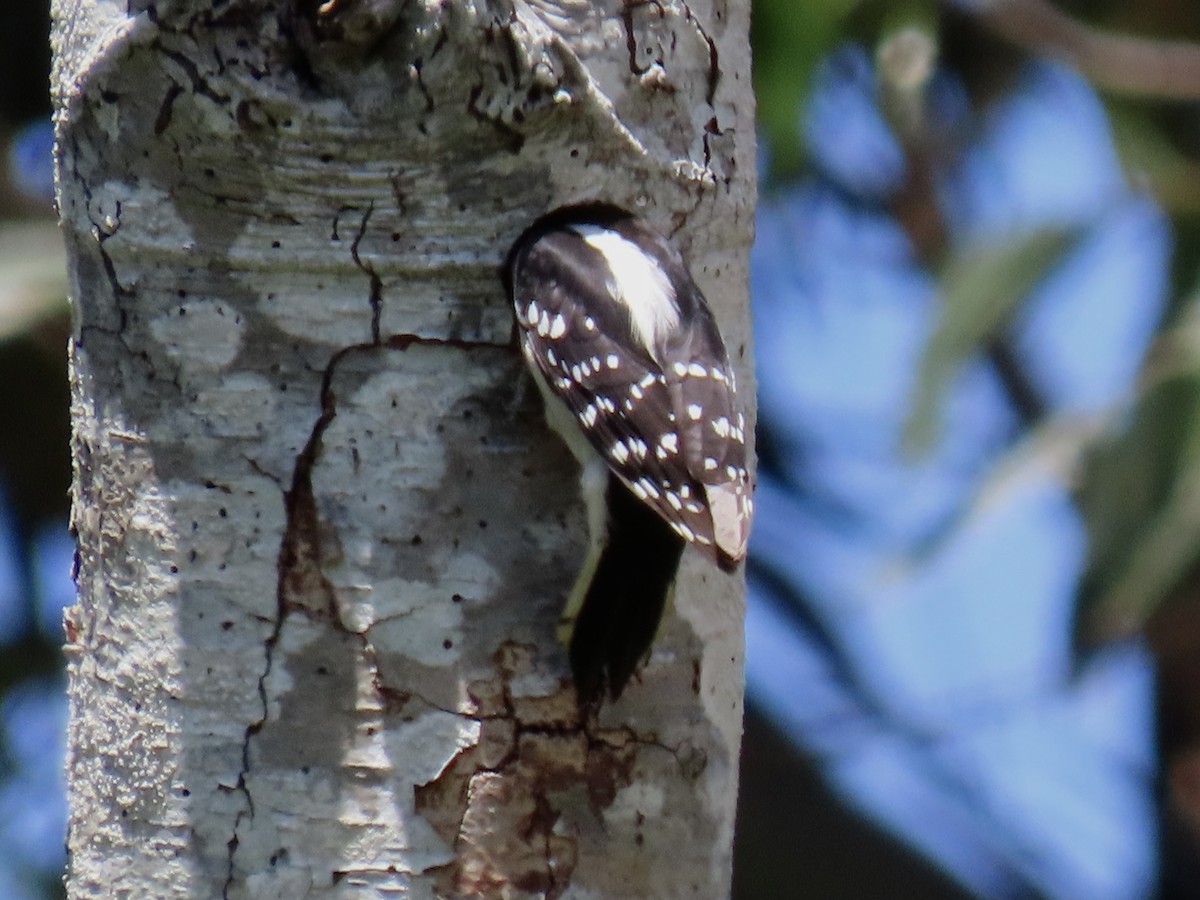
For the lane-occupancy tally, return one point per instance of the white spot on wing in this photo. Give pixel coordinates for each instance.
(683, 531)
(648, 486)
(694, 411)
(558, 327)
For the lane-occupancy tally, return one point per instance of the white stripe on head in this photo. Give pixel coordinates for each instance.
(638, 283)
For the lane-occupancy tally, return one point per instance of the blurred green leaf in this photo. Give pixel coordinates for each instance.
(1139, 493)
(981, 287)
(1154, 159)
(788, 40)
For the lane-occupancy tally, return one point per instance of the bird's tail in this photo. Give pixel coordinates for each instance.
(625, 598)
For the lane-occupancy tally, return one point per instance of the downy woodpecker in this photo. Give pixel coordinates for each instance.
(636, 380)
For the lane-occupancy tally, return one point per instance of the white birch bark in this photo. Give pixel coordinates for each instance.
(324, 533)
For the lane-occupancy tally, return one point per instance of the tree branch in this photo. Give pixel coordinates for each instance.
(1119, 63)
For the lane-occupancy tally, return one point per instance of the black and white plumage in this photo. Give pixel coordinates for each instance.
(637, 381)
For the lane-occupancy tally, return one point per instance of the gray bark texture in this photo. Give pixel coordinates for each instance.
(324, 533)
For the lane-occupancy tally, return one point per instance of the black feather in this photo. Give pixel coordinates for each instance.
(625, 600)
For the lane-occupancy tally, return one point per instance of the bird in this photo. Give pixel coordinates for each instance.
(636, 380)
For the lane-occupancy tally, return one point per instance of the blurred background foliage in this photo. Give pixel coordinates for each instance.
(972, 603)
(974, 638)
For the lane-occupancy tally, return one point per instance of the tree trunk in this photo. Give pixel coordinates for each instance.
(324, 533)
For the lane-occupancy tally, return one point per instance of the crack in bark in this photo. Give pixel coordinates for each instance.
(631, 37)
(712, 79)
(337, 219)
(417, 66)
(714, 63)
(166, 109)
(200, 83)
(376, 295)
(299, 560)
(404, 341)
(299, 573)
(713, 129)
(631, 45)
(102, 231)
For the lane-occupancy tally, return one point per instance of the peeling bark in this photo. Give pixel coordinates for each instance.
(324, 534)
